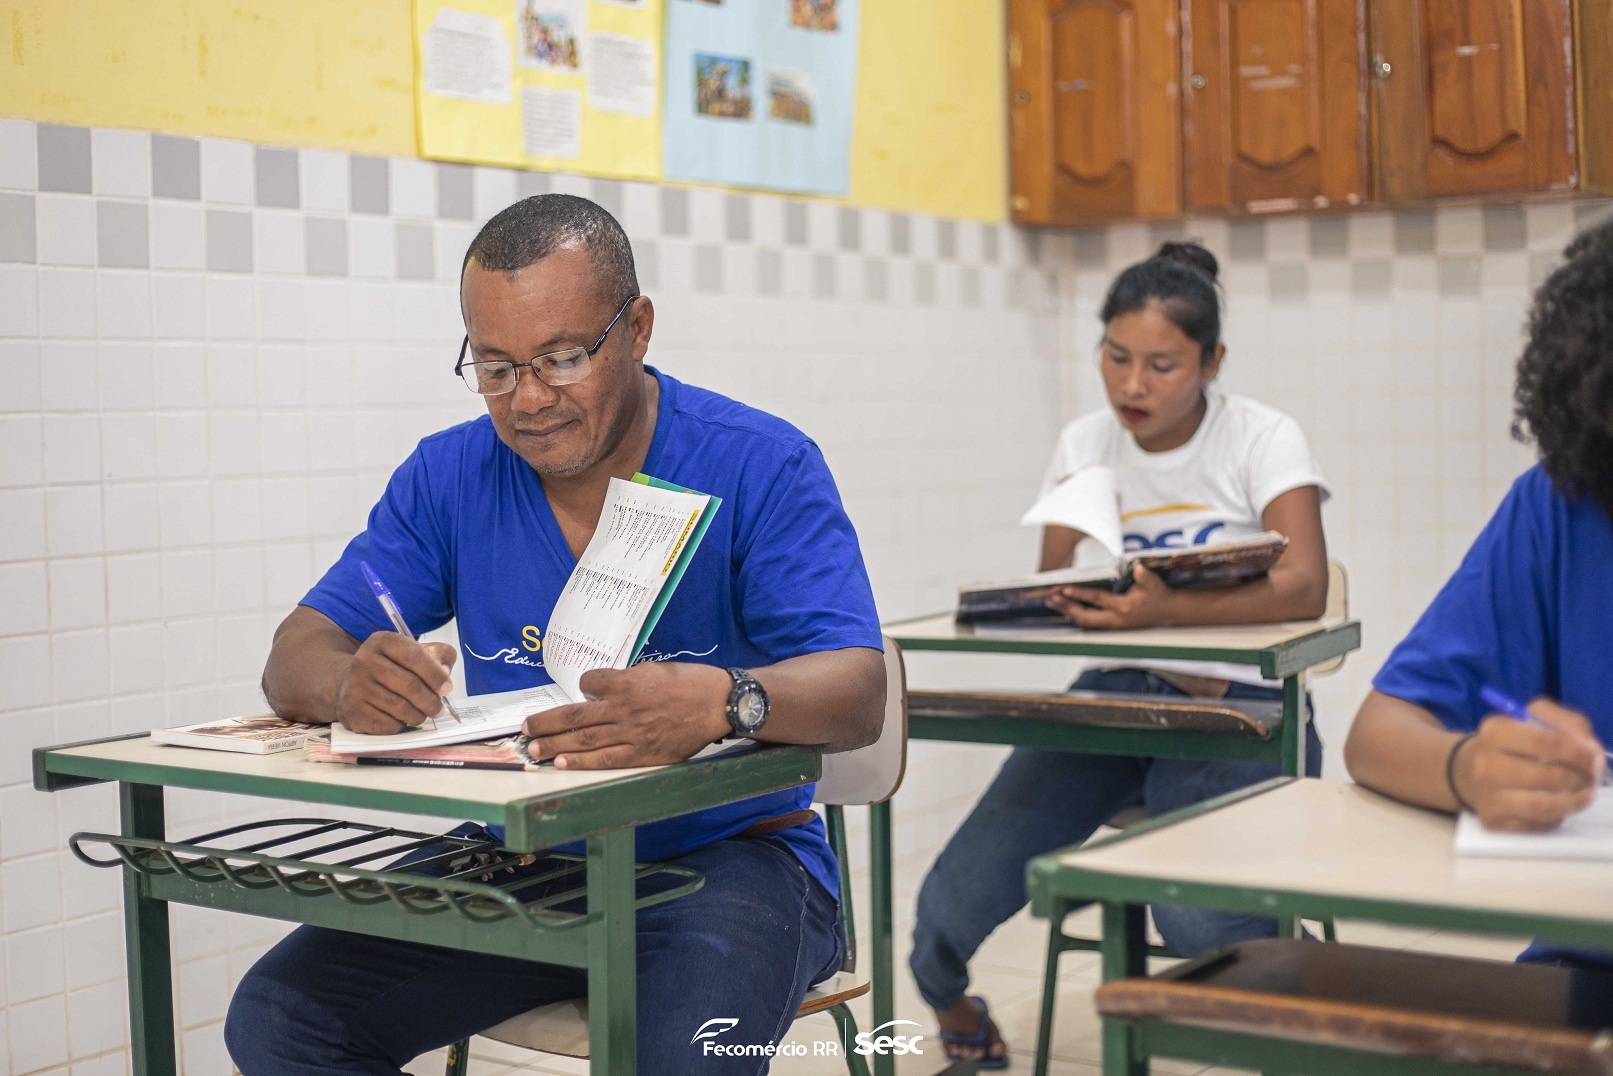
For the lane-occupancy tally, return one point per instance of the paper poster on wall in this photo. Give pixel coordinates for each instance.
(760, 93)
(571, 85)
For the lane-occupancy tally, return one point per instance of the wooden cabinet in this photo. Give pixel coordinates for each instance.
(1275, 109)
(1095, 110)
(1474, 96)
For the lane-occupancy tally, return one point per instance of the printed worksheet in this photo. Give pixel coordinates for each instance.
(482, 717)
(600, 620)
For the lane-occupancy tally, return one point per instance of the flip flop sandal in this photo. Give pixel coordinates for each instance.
(985, 1063)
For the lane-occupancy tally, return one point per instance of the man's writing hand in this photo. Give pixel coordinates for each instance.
(393, 683)
(653, 713)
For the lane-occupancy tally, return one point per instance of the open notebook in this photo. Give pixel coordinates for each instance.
(1587, 835)
(648, 532)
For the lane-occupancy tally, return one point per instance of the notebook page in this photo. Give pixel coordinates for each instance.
(1587, 835)
(482, 717)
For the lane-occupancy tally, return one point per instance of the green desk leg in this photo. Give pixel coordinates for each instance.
(145, 930)
(1125, 955)
(881, 924)
(1296, 720)
(612, 955)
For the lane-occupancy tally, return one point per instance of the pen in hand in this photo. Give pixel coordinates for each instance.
(1502, 703)
(390, 605)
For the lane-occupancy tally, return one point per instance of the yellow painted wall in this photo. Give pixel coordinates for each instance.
(338, 74)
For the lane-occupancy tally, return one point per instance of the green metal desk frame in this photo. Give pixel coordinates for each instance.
(1288, 661)
(1128, 1044)
(603, 815)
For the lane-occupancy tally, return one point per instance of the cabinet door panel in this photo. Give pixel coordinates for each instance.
(1278, 122)
(1095, 113)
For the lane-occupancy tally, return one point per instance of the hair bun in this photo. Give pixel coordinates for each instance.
(1191, 254)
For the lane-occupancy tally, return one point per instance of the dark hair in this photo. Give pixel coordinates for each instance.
(534, 228)
(1181, 278)
(1565, 377)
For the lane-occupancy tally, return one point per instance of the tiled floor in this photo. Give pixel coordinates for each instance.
(1008, 972)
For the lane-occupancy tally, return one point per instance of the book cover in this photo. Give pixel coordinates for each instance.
(258, 734)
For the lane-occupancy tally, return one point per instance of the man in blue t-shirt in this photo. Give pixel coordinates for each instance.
(771, 634)
(1527, 611)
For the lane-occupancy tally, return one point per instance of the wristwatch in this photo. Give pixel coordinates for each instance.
(747, 704)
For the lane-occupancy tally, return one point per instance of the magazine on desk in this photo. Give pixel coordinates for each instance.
(647, 534)
(256, 734)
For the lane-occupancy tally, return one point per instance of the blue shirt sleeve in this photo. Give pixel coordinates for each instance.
(1491, 623)
(406, 542)
(801, 585)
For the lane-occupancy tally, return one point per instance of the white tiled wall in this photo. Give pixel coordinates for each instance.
(212, 355)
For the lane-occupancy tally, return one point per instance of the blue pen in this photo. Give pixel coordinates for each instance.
(401, 626)
(1502, 703)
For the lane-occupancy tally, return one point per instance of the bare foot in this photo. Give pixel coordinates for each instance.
(964, 1019)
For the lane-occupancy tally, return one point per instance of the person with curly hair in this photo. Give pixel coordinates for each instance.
(1527, 611)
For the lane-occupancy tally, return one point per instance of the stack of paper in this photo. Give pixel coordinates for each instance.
(1587, 835)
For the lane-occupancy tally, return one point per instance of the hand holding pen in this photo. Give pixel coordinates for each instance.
(393, 682)
(1527, 768)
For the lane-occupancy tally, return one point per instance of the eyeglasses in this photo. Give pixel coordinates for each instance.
(495, 377)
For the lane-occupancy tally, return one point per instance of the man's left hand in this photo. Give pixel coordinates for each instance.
(650, 714)
(1149, 603)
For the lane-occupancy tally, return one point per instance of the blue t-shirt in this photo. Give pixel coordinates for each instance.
(464, 530)
(1526, 612)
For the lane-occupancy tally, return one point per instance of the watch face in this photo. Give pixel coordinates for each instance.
(751, 709)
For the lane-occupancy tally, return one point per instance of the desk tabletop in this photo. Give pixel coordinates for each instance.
(539, 808)
(1279, 649)
(1316, 847)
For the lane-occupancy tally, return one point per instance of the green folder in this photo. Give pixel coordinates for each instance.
(685, 555)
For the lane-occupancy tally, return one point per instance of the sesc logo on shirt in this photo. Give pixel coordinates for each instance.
(1179, 526)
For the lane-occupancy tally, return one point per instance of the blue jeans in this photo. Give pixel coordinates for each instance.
(1044, 800)
(746, 946)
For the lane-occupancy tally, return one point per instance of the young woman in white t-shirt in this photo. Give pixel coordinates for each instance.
(1192, 466)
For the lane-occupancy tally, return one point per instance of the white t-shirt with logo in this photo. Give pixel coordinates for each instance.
(1243, 456)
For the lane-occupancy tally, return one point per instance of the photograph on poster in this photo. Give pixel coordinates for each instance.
(722, 86)
(815, 14)
(789, 95)
(551, 33)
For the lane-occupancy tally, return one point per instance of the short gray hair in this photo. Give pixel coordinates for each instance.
(534, 228)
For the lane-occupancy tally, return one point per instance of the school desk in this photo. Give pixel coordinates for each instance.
(277, 873)
(1312, 849)
(1283, 651)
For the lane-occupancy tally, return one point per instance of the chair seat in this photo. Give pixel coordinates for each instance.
(1446, 1008)
(1249, 717)
(562, 1027)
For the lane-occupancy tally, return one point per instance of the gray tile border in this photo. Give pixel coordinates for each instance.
(1505, 228)
(529, 183)
(946, 239)
(325, 245)
(456, 192)
(229, 241)
(608, 194)
(1459, 275)
(1588, 214)
(823, 276)
(64, 158)
(1541, 266)
(707, 268)
(876, 280)
(176, 167)
(1246, 240)
(769, 272)
(1330, 237)
(277, 174)
(1289, 283)
(1414, 231)
(647, 264)
(736, 218)
(795, 224)
(1092, 248)
(369, 184)
(1372, 278)
(969, 285)
(18, 241)
(849, 221)
(924, 283)
(674, 211)
(416, 253)
(1166, 231)
(991, 243)
(122, 235)
(901, 233)
(1014, 284)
